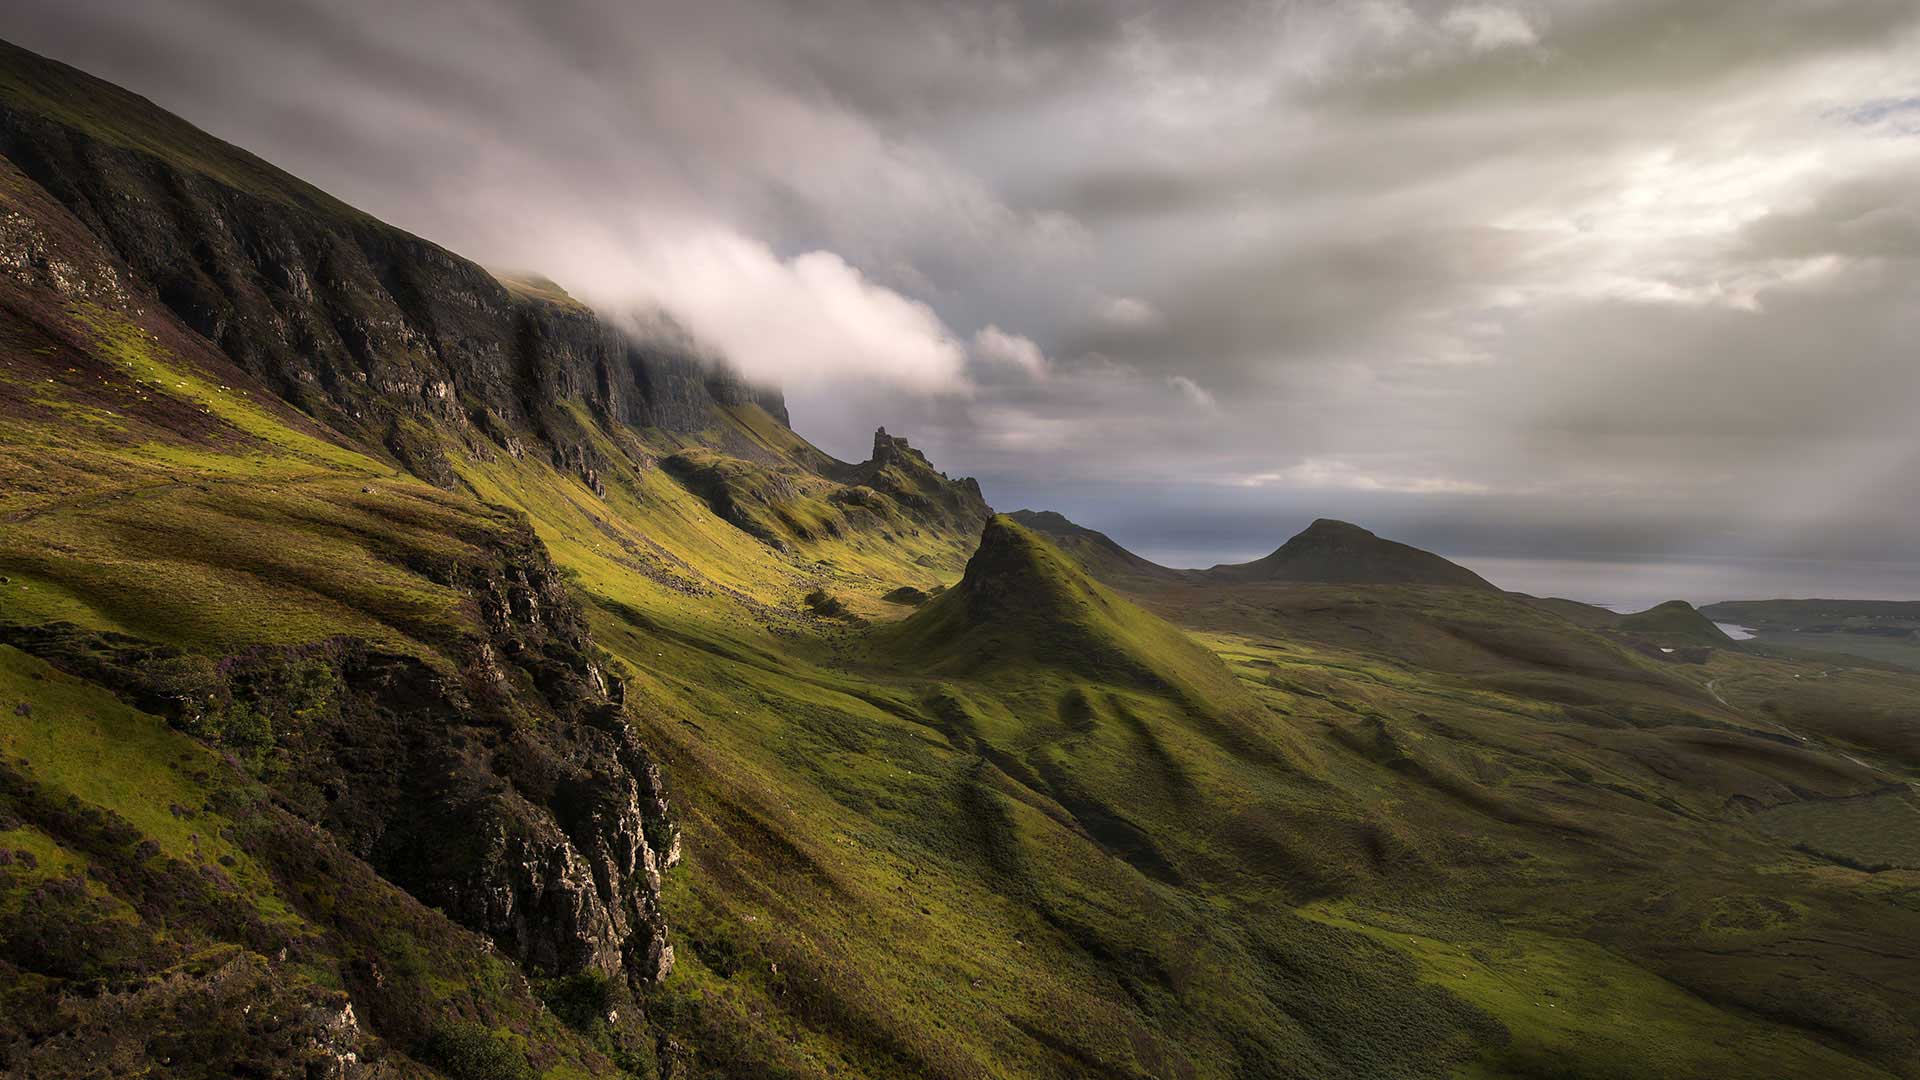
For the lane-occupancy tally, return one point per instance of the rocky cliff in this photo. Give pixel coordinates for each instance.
(412, 803)
(511, 793)
(383, 336)
(904, 475)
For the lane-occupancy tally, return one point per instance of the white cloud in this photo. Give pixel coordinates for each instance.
(1556, 246)
(1332, 474)
(996, 346)
(793, 322)
(1487, 27)
(1127, 313)
(1195, 394)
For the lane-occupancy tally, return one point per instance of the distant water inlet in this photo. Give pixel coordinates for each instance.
(1636, 584)
(1736, 632)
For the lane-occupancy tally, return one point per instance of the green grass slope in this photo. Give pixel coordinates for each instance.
(36, 85)
(1022, 601)
(225, 604)
(160, 911)
(1887, 631)
(1034, 827)
(1675, 622)
(1099, 553)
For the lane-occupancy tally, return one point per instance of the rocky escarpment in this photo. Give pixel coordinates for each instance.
(780, 503)
(747, 496)
(511, 793)
(491, 772)
(260, 1026)
(381, 335)
(905, 476)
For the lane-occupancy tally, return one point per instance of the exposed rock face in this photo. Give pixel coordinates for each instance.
(382, 335)
(899, 471)
(497, 779)
(245, 1020)
(895, 492)
(512, 795)
(518, 799)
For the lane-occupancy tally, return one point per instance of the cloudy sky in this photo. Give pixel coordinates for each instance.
(1572, 277)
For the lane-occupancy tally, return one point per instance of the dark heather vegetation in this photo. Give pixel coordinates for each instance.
(404, 673)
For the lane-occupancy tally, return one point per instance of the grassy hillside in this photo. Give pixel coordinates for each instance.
(1633, 779)
(1096, 551)
(1673, 624)
(1023, 603)
(1887, 631)
(321, 749)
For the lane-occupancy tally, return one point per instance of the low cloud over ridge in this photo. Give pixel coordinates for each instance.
(1514, 275)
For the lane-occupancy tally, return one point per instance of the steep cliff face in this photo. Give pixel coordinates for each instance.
(511, 794)
(380, 334)
(473, 754)
(905, 476)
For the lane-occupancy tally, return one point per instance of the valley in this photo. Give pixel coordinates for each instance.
(1879, 631)
(406, 673)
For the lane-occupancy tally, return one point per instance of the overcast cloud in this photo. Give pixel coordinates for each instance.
(1605, 276)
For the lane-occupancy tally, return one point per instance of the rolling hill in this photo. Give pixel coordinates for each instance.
(1675, 622)
(1102, 557)
(1337, 553)
(1887, 631)
(1325, 553)
(406, 672)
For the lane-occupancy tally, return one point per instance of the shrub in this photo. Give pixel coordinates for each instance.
(465, 1050)
(581, 1001)
(247, 728)
(825, 605)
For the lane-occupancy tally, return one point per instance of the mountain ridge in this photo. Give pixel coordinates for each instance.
(1023, 600)
(1326, 552)
(461, 741)
(1097, 551)
(378, 333)
(1330, 552)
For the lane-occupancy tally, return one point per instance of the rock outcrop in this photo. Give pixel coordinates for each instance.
(258, 1024)
(905, 476)
(512, 794)
(381, 335)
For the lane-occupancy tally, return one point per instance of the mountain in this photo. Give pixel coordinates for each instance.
(1096, 551)
(1336, 553)
(1325, 553)
(278, 550)
(1022, 601)
(1675, 622)
(405, 671)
